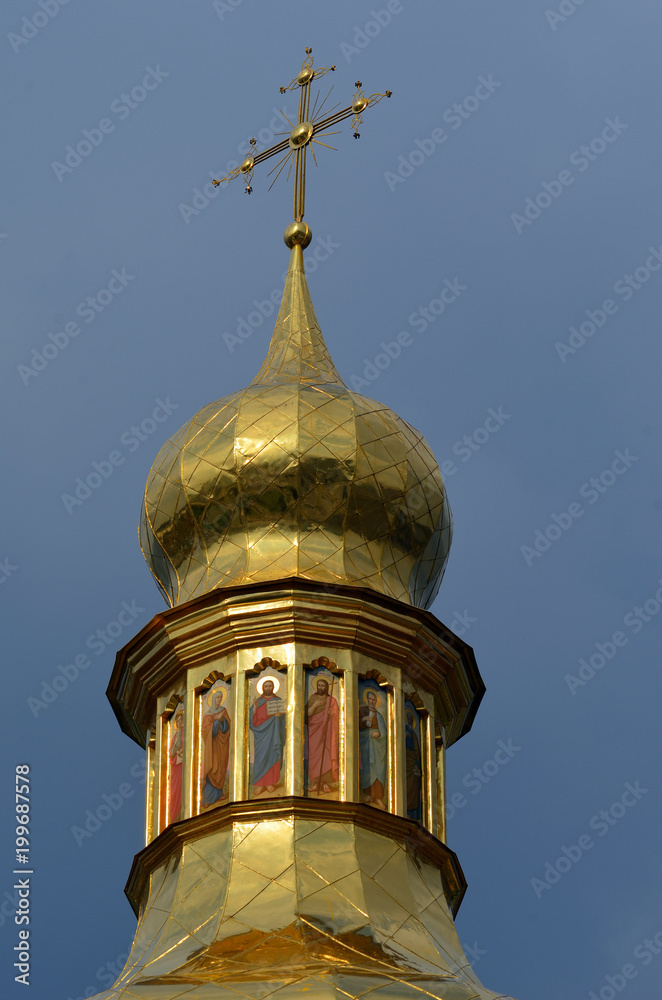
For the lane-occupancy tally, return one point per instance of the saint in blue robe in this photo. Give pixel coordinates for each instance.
(269, 741)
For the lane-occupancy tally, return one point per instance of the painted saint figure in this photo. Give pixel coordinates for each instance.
(413, 765)
(373, 750)
(176, 755)
(267, 723)
(216, 730)
(322, 716)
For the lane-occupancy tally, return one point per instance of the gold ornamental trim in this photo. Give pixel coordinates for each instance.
(294, 610)
(186, 831)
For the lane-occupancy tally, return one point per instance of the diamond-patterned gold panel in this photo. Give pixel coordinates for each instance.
(297, 476)
(331, 909)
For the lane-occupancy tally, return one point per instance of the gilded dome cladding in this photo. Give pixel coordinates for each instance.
(296, 476)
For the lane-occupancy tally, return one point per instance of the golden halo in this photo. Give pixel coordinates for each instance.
(322, 675)
(410, 715)
(213, 692)
(178, 714)
(261, 682)
(377, 695)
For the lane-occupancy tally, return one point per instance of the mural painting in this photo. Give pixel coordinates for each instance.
(322, 734)
(267, 709)
(373, 744)
(413, 762)
(176, 762)
(215, 745)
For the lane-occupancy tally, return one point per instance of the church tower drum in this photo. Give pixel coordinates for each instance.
(297, 698)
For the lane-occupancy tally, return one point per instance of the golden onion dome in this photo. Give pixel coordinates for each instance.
(296, 476)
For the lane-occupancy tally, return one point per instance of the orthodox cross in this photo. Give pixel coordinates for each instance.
(303, 134)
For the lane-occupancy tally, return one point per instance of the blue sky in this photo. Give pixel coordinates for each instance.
(517, 161)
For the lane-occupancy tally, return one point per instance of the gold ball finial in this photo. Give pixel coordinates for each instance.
(298, 234)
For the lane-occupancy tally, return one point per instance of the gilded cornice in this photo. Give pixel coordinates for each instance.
(173, 839)
(295, 610)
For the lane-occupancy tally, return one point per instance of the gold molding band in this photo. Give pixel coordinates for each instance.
(294, 610)
(177, 835)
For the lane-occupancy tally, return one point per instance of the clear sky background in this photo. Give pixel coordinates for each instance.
(589, 78)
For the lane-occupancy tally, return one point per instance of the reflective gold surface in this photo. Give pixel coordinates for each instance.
(297, 476)
(301, 134)
(290, 905)
(297, 234)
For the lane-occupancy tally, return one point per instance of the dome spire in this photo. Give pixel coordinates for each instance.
(297, 352)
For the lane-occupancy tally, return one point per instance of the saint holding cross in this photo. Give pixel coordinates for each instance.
(322, 726)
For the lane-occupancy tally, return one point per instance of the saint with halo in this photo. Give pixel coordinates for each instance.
(216, 730)
(373, 749)
(267, 724)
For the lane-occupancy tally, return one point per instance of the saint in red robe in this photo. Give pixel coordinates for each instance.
(176, 754)
(322, 717)
(268, 728)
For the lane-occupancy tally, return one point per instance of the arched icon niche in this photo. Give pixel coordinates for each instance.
(322, 765)
(375, 742)
(172, 762)
(267, 711)
(215, 741)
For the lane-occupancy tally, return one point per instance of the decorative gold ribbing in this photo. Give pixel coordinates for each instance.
(296, 475)
(297, 352)
(303, 133)
(289, 480)
(291, 477)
